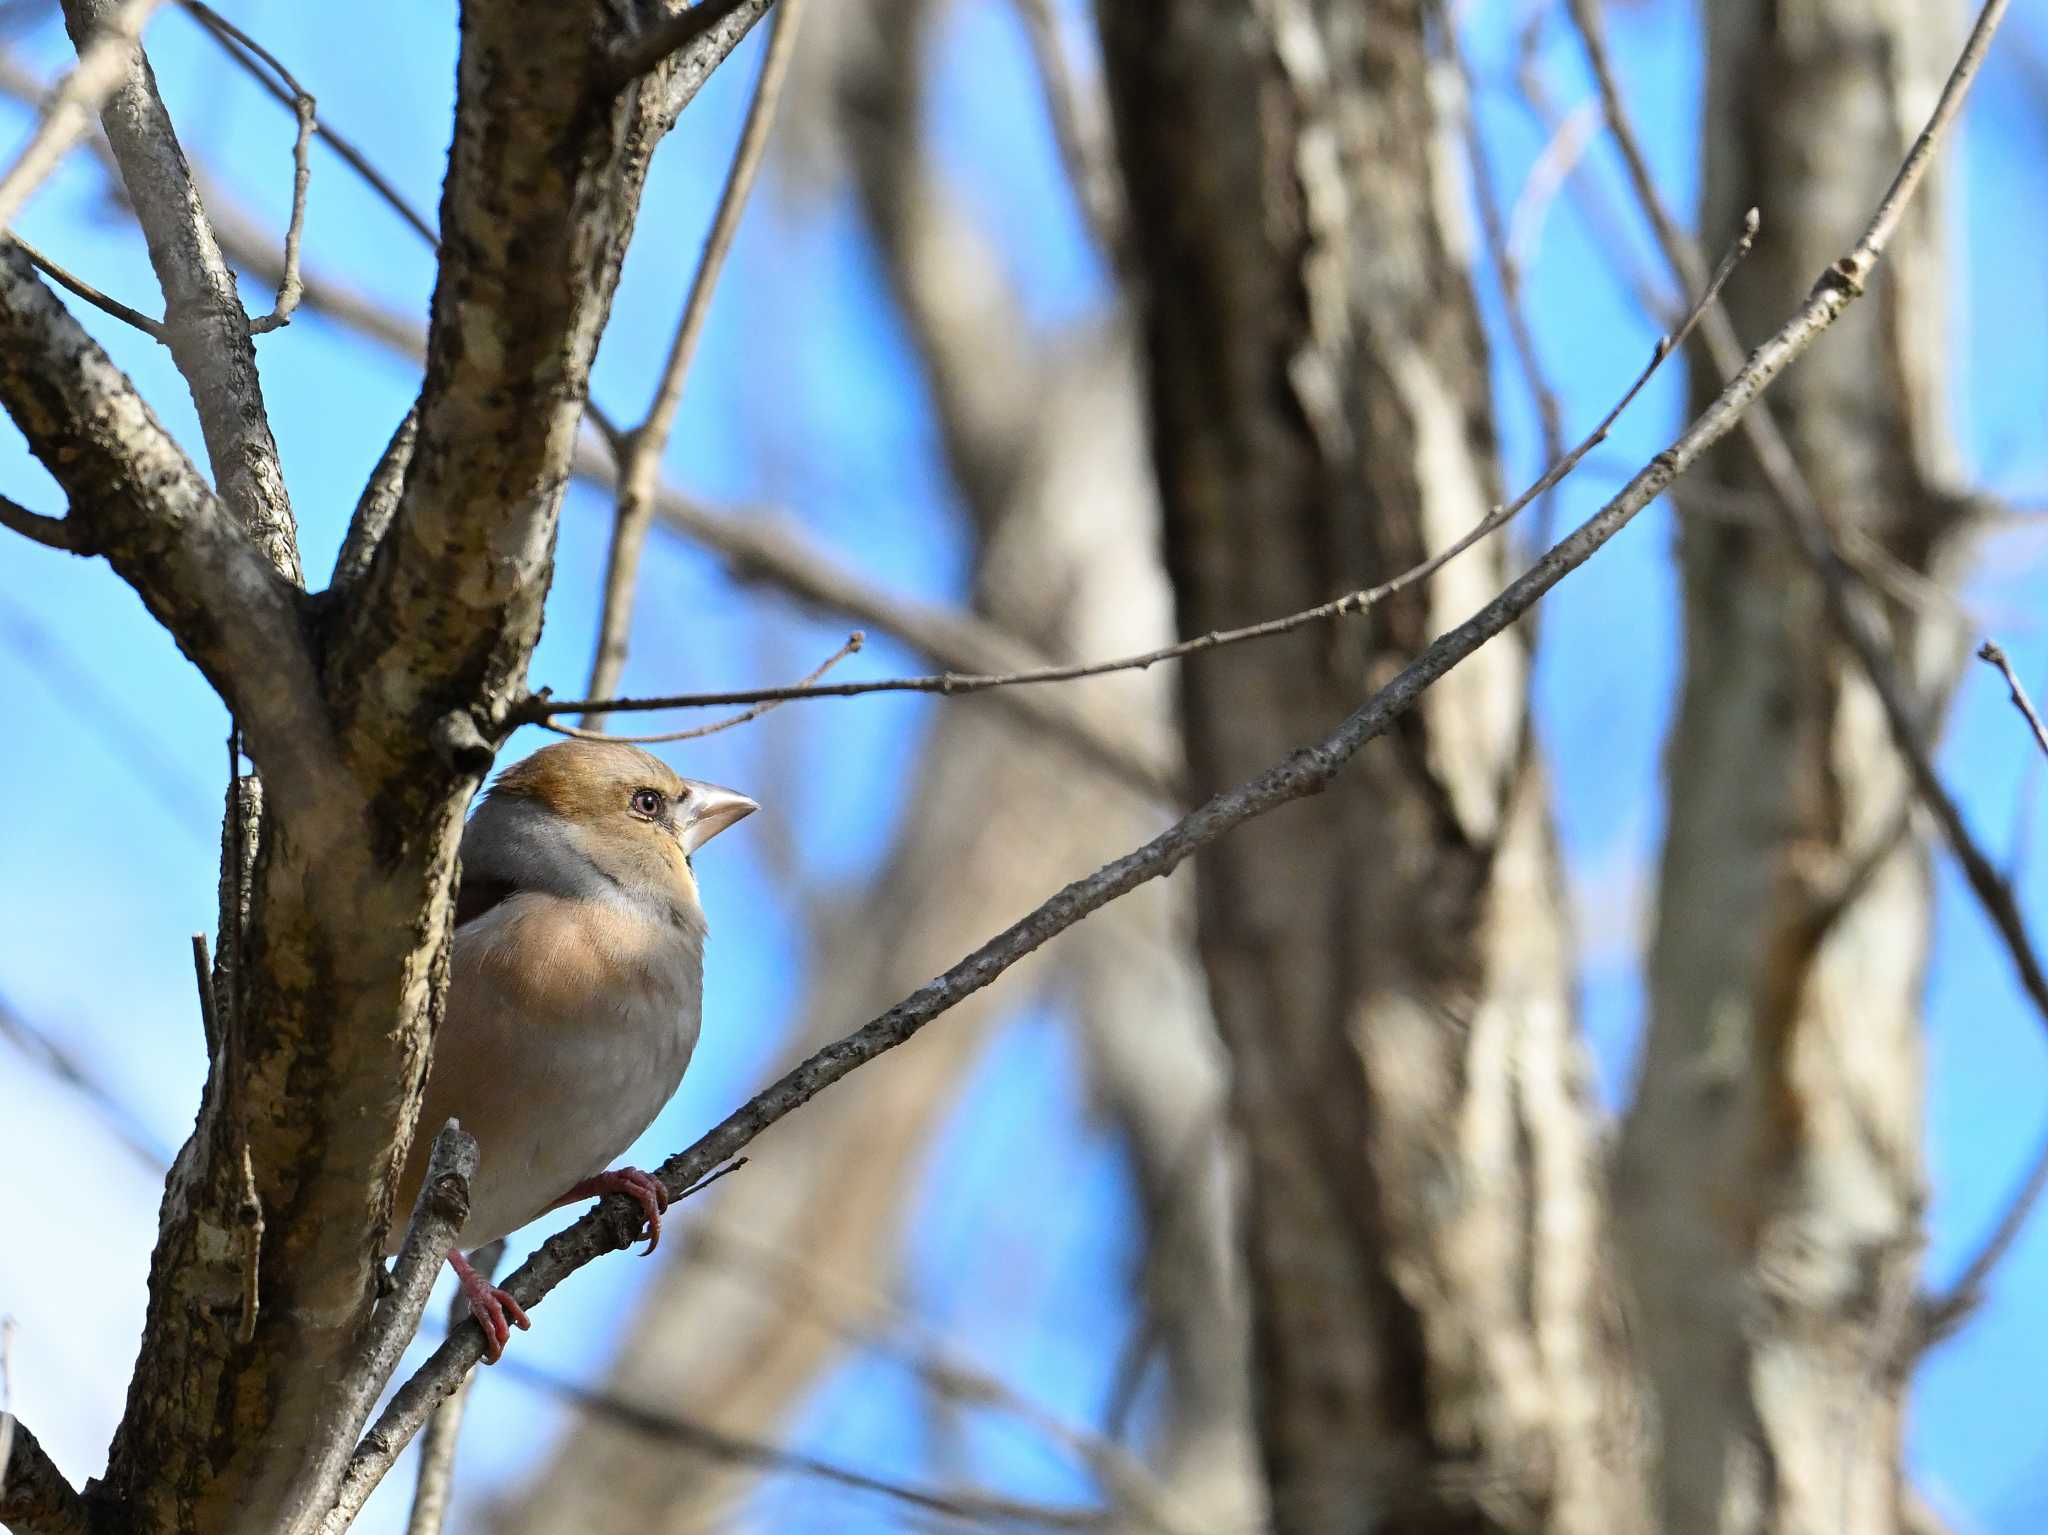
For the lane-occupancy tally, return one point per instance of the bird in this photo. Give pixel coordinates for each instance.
(575, 990)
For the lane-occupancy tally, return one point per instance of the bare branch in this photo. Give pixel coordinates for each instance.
(85, 290)
(246, 51)
(51, 532)
(646, 443)
(854, 641)
(139, 502)
(437, 1445)
(438, 1213)
(667, 1428)
(264, 68)
(69, 112)
(1994, 653)
(1308, 770)
(707, 21)
(1940, 1315)
(540, 708)
(204, 324)
(1081, 129)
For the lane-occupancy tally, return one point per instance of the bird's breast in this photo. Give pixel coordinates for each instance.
(569, 1026)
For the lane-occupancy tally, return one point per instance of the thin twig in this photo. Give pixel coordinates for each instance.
(645, 444)
(59, 533)
(437, 1445)
(293, 288)
(1993, 652)
(854, 641)
(72, 106)
(1080, 130)
(81, 288)
(242, 47)
(77, 1074)
(666, 1427)
(541, 707)
(277, 80)
(209, 1017)
(1941, 1315)
(1507, 267)
(1309, 770)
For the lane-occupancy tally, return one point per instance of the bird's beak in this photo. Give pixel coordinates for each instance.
(712, 809)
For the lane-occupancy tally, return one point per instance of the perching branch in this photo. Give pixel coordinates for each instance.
(438, 1213)
(1309, 770)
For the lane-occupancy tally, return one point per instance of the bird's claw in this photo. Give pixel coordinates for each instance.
(643, 1188)
(495, 1310)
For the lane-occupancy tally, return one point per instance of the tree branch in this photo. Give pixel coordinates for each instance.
(137, 500)
(539, 709)
(438, 1213)
(708, 21)
(1308, 770)
(69, 111)
(1994, 653)
(204, 324)
(35, 1499)
(646, 443)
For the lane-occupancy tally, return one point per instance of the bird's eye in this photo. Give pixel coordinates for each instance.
(647, 802)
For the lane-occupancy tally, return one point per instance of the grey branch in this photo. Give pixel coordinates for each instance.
(1308, 770)
(139, 502)
(438, 1213)
(69, 113)
(645, 444)
(204, 324)
(1994, 653)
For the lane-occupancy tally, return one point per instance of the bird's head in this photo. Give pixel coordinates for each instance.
(624, 810)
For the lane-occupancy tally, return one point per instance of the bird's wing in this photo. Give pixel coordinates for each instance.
(478, 893)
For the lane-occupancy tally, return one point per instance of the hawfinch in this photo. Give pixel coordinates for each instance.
(574, 989)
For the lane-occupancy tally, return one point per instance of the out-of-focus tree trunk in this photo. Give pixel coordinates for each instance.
(1770, 1182)
(1046, 446)
(1437, 1343)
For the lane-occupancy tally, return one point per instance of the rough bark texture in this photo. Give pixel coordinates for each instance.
(1435, 1335)
(1770, 1184)
(371, 719)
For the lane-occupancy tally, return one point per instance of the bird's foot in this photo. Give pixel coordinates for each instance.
(494, 1308)
(643, 1187)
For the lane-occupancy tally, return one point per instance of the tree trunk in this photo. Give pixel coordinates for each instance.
(1436, 1339)
(1770, 1183)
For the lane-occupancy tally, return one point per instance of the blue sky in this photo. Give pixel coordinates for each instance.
(805, 397)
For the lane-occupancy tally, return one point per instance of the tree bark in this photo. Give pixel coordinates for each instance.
(1435, 1332)
(1770, 1181)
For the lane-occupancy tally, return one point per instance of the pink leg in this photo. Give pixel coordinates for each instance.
(643, 1187)
(490, 1306)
